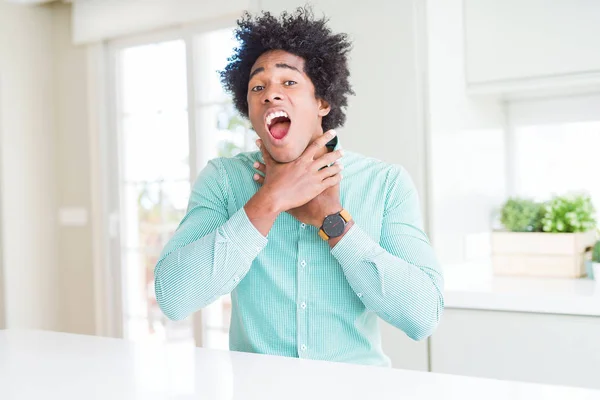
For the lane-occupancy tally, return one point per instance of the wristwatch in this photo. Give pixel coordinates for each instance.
(334, 225)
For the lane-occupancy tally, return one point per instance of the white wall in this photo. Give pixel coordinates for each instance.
(466, 141)
(73, 174)
(95, 20)
(2, 291)
(28, 171)
(45, 166)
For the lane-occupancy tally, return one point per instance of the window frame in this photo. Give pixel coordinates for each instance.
(108, 268)
(543, 110)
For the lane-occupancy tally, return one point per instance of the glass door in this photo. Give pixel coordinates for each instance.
(222, 132)
(153, 177)
(156, 160)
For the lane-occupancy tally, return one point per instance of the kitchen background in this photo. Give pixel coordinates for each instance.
(109, 110)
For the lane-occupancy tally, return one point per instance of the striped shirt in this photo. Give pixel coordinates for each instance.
(291, 294)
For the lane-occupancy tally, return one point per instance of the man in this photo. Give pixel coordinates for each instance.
(310, 257)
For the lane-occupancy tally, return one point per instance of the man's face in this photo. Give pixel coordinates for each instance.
(282, 105)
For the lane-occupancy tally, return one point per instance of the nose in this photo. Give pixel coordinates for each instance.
(272, 95)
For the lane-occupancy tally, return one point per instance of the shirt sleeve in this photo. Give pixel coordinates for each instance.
(209, 254)
(399, 278)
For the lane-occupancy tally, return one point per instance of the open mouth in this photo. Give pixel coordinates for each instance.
(278, 124)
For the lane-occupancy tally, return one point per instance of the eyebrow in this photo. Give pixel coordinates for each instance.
(281, 65)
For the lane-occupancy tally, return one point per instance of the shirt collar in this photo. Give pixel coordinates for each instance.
(334, 144)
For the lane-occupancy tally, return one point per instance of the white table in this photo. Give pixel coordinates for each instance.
(45, 365)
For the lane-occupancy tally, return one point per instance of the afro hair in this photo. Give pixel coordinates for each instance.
(299, 33)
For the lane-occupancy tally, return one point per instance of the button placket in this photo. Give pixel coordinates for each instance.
(302, 279)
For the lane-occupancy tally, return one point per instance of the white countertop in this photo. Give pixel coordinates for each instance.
(474, 287)
(52, 366)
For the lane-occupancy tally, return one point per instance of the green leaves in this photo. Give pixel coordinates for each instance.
(522, 215)
(596, 253)
(571, 213)
(562, 214)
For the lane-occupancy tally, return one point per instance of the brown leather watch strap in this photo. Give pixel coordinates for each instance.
(323, 235)
(345, 215)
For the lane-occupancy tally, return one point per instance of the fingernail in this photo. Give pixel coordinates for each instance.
(258, 143)
(332, 133)
(255, 177)
(256, 165)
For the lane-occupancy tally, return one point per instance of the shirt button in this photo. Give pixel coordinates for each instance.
(303, 225)
(359, 295)
(303, 263)
(303, 347)
(236, 279)
(303, 305)
(258, 249)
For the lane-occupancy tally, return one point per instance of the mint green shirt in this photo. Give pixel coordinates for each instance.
(291, 294)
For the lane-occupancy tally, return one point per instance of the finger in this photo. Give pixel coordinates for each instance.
(260, 166)
(265, 153)
(332, 181)
(319, 143)
(258, 178)
(328, 158)
(330, 171)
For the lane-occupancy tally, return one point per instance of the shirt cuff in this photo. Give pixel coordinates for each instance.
(354, 247)
(244, 235)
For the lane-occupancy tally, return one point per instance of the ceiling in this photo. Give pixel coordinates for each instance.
(30, 1)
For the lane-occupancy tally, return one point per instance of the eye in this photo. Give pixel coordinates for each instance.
(289, 83)
(257, 88)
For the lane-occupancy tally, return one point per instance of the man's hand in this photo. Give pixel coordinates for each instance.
(325, 198)
(294, 184)
(314, 212)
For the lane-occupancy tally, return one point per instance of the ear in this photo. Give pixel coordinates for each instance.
(324, 107)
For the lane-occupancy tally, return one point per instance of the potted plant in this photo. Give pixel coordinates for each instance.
(596, 262)
(550, 239)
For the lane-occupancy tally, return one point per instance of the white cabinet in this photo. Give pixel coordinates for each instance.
(404, 352)
(520, 43)
(543, 348)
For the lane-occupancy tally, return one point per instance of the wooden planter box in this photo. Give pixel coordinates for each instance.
(557, 255)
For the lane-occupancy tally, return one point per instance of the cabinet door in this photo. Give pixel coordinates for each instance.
(404, 352)
(543, 348)
(530, 39)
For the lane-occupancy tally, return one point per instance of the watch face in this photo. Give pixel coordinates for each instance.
(334, 225)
